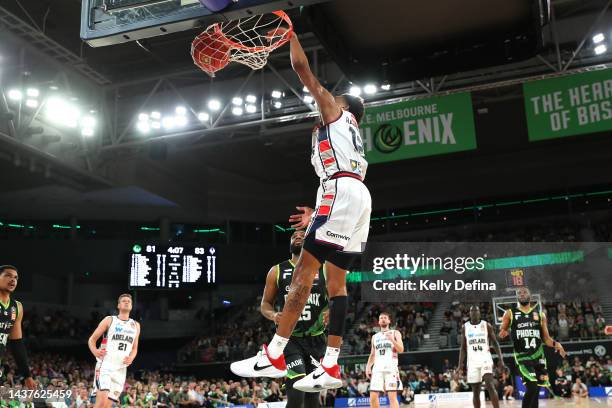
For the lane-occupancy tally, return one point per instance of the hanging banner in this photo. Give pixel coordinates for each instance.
(569, 105)
(419, 128)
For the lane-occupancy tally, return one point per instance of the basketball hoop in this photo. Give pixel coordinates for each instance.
(245, 41)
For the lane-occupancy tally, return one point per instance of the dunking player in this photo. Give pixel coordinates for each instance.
(336, 230)
(477, 337)
(382, 364)
(529, 330)
(307, 341)
(11, 316)
(122, 335)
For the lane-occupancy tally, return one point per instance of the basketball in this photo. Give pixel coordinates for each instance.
(209, 52)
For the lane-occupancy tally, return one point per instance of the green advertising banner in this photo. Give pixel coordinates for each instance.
(424, 127)
(570, 105)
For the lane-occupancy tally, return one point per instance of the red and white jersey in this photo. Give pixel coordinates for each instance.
(477, 337)
(337, 147)
(120, 338)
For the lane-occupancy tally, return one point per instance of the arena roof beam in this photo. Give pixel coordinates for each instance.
(288, 85)
(587, 35)
(39, 43)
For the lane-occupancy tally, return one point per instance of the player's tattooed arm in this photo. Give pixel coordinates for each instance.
(549, 340)
(493, 341)
(505, 326)
(329, 109)
(370, 362)
(93, 339)
(269, 295)
(462, 351)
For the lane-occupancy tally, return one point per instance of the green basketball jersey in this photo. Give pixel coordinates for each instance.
(310, 322)
(526, 332)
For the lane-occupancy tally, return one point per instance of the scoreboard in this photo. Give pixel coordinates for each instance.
(154, 266)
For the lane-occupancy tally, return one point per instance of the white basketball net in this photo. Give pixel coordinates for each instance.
(248, 37)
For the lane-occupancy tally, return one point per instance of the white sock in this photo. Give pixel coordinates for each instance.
(276, 346)
(331, 356)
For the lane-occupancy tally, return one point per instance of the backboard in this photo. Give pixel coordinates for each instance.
(108, 22)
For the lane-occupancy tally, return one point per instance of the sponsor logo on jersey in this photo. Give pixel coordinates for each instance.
(13, 313)
(334, 235)
(6, 325)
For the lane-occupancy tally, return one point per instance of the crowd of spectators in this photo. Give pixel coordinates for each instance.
(411, 319)
(166, 389)
(566, 321)
(254, 330)
(54, 372)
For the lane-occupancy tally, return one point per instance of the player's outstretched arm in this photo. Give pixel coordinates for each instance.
(329, 109)
(462, 351)
(493, 341)
(269, 295)
(18, 349)
(93, 339)
(130, 358)
(505, 326)
(549, 340)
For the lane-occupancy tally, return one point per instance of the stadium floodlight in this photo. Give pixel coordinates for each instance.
(236, 100)
(251, 108)
(181, 120)
(88, 122)
(155, 115)
(370, 89)
(32, 103)
(214, 105)
(168, 122)
(155, 125)
(180, 110)
(251, 98)
(355, 91)
(15, 94)
(277, 94)
(599, 37)
(143, 117)
(203, 116)
(386, 86)
(87, 132)
(32, 92)
(600, 49)
(278, 104)
(237, 110)
(143, 127)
